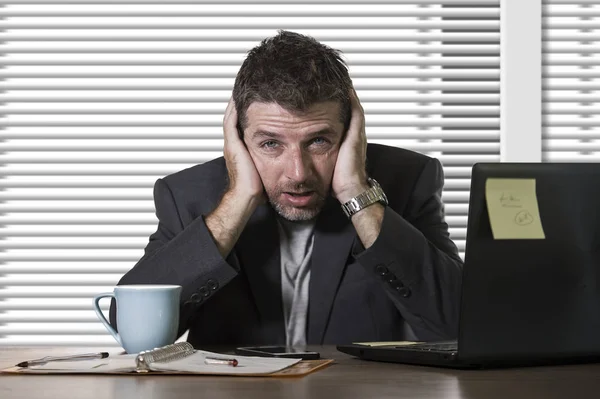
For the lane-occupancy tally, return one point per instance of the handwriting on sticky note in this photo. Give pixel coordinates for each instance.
(513, 209)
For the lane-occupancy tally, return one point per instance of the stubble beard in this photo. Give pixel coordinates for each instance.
(292, 213)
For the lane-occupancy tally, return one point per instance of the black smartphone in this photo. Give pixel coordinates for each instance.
(277, 351)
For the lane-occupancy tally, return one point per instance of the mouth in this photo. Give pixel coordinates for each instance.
(299, 198)
(299, 194)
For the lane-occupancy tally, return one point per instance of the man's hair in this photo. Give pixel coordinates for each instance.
(295, 71)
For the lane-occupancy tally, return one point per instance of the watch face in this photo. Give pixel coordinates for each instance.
(378, 190)
(384, 197)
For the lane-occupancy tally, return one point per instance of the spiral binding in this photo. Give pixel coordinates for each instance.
(165, 354)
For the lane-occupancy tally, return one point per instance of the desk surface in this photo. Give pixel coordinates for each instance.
(346, 378)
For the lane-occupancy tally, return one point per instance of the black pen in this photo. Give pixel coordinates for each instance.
(44, 360)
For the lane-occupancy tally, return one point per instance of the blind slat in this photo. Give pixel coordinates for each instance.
(63, 60)
(255, 35)
(183, 159)
(318, 11)
(217, 145)
(449, 123)
(448, 74)
(69, 280)
(192, 86)
(389, 97)
(137, 195)
(458, 110)
(58, 268)
(183, 134)
(274, 23)
(137, 183)
(41, 207)
(58, 329)
(237, 49)
(277, 2)
(71, 245)
(65, 317)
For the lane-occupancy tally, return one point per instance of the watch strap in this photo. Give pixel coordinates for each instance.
(366, 198)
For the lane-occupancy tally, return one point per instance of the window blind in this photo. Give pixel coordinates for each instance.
(101, 98)
(571, 131)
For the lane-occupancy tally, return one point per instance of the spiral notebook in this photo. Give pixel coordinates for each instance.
(179, 358)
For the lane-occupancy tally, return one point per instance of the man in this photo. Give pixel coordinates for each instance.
(259, 240)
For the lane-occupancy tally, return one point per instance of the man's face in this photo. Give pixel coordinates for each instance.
(295, 155)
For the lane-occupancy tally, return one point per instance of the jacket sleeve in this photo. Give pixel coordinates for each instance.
(181, 255)
(417, 262)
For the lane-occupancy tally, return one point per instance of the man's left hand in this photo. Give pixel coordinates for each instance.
(350, 176)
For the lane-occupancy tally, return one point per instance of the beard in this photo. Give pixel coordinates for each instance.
(293, 213)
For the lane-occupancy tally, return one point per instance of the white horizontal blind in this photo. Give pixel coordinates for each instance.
(571, 63)
(101, 98)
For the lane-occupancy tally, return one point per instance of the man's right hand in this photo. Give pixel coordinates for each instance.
(244, 179)
(245, 191)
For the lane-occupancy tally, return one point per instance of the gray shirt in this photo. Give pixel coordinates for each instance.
(296, 244)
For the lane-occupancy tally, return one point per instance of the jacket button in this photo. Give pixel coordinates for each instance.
(392, 279)
(204, 291)
(404, 291)
(194, 297)
(382, 270)
(212, 285)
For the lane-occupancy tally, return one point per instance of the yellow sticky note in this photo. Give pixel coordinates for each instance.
(513, 209)
(387, 343)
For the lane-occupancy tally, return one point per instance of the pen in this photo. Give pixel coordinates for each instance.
(44, 360)
(218, 360)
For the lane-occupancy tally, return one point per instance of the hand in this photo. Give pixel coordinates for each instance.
(350, 175)
(227, 221)
(244, 179)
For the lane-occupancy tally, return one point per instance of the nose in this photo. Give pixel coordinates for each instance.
(298, 166)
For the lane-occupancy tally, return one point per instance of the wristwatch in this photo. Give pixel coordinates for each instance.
(366, 198)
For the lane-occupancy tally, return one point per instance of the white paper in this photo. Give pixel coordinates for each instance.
(246, 364)
(110, 364)
(193, 364)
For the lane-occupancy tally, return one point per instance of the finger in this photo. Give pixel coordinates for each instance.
(355, 101)
(230, 106)
(357, 120)
(357, 124)
(230, 131)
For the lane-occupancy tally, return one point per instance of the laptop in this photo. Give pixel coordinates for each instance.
(524, 302)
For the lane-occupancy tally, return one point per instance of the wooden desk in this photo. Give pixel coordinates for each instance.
(347, 378)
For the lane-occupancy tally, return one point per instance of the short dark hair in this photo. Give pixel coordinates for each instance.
(294, 71)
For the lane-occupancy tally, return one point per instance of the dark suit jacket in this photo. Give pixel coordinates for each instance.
(410, 275)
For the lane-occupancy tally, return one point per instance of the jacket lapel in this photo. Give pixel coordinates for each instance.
(260, 259)
(334, 236)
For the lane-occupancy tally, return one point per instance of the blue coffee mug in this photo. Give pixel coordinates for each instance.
(147, 315)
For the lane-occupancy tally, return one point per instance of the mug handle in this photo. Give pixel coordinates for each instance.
(110, 329)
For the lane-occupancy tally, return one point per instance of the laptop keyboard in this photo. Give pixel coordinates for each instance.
(447, 346)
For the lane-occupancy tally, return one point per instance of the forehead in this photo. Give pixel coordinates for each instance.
(270, 116)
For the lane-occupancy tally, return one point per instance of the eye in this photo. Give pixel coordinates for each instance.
(269, 144)
(319, 141)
